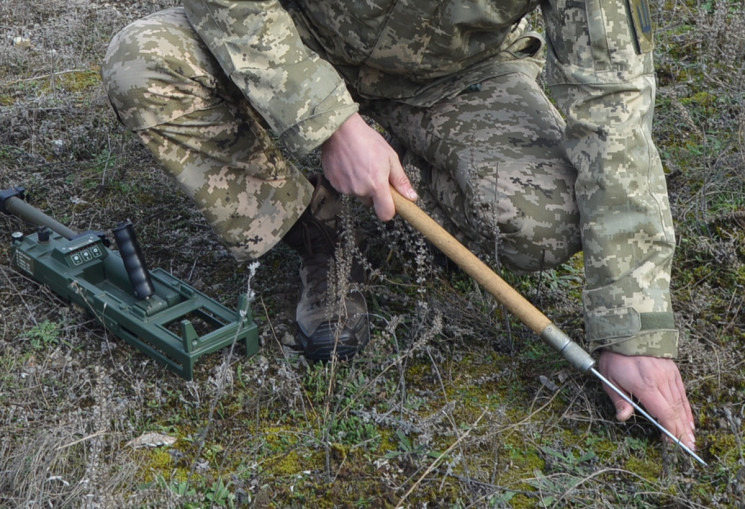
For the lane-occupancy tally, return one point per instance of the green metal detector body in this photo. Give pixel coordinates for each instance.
(169, 320)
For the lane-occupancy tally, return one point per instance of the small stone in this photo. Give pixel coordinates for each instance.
(58, 146)
(21, 42)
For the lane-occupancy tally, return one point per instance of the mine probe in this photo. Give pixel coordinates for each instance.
(152, 310)
(514, 302)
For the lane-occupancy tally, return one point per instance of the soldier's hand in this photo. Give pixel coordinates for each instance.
(358, 161)
(657, 384)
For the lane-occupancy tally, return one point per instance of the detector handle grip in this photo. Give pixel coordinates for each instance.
(134, 261)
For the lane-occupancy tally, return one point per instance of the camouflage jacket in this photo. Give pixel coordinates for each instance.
(311, 52)
(320, 52)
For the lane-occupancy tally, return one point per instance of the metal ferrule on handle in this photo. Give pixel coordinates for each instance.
(571, 351)
(487, 278)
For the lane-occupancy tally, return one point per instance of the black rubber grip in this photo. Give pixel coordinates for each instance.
(134, 261)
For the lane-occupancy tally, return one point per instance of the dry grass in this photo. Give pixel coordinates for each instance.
(454, 404)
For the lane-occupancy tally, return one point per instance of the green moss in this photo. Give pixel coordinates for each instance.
(645, 467)
(278, 438)
(604, 448)
(387, 441)
(519, 460)
(286, 464)
(527, 460)
(73, 81)
(703, 98)
(157, 463)
(725, 447)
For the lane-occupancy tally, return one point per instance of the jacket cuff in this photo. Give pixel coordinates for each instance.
(628, 332)
(311, 131)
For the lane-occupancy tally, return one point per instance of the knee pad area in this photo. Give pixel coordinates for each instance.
(156, 69)
(527, 243)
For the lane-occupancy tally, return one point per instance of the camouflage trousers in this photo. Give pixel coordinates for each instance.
(488, 167)
(499, 166)
(167, 88)
(493, 161)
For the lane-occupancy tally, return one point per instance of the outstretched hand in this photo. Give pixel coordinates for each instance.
(657, 384)
(358, 161)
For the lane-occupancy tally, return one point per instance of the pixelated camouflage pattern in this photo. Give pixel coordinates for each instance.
(605, 86)
(166, 87)
(300, 96)
(493, 168)
(413, 51)
(512, 169)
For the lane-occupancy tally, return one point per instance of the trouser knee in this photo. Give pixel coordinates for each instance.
(166, 87)
(533, 242)
(157, 69)
(496, 168)
(531, 226)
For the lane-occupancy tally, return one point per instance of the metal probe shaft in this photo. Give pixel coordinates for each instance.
(583, 361)
(649, 417)
(513, 301)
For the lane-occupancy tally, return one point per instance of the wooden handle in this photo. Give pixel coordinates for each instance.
(471, 264)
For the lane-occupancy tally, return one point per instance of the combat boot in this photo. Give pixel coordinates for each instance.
(328, 325)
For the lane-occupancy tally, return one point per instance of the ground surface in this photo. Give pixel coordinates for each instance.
(454, 403)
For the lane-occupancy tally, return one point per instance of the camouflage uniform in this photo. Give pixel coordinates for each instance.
(455, 82)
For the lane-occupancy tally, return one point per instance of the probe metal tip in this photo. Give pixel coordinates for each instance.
(651, 419)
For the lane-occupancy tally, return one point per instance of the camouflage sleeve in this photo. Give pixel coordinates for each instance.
(601, 73)
(301, 97)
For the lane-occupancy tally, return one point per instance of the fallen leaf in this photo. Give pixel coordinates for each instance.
(151, 439)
